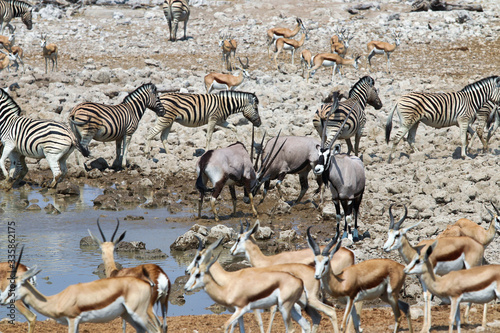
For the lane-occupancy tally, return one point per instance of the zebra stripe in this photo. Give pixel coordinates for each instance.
(118, 123)
(485, 117)
(442, 110)
(25, 137)
(10, 9)
(176, 11)
(194, 110)
(361, 93)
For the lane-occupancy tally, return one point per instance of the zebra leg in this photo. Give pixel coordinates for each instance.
(126, 142)
(20, 169)
(357, 138)
(185, 27)
(411, 137)
(7, 150)
(463, 124)
(210, 131)
(349, 147)
(53, 160)
(117, 162)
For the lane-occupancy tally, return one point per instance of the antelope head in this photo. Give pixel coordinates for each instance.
(322, 258)
(395, 233)
(496, 217)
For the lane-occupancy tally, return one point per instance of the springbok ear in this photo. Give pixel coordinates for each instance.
(30, 273)
(255, 227)
(429, 250)
(97, 240)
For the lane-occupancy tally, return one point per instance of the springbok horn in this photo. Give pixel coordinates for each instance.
(498, 213)
(100, 230)
(241, 228)
(116, 229)
(200, 243)
(327, 249)
(398, 225)
(14, 271)
(391, 218)
(314, 246)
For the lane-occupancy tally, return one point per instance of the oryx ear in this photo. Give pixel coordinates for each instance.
(318, 147)
(336, 149)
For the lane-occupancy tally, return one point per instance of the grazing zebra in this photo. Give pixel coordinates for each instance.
(194, 110)
(15, 8)
(118, 123)
(175, 11)
(361, 93)
(25, 137)
(441, 110)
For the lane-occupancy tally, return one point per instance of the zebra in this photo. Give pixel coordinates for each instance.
(118, 123)
(175, 11)
(194, 110)
(23, 137)
(441, 110)
(15, 8)
(363, 92)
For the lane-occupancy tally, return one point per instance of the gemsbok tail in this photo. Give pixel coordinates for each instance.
(388, 125)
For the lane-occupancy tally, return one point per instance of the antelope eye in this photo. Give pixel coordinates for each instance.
(197, 275)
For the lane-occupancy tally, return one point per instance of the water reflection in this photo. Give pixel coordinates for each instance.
(52, 242)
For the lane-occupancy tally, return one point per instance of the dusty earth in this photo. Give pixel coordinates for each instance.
(107, 51)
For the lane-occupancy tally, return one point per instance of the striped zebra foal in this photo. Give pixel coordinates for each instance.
(176, 11)
(362, 93)
(25, 137)
(117, 123)
(440, 110)
(15, 8)
(194, 110)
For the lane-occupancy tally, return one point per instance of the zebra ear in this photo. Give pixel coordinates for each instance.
(498, 81)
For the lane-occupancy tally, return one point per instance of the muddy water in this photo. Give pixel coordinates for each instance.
(52, 242)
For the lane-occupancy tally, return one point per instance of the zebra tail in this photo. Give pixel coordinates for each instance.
(388, 125)
(85, 152)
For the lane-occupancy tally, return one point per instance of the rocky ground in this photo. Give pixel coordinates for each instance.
(107, 51)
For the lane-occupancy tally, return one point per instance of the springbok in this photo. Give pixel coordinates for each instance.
(287, 262)
(377, 47)
(159, 295)
(453, 253)
(275, 33)
(330, 60)
(248, 289)
(474, 285)
(367, 280)
(97, 301)
(289, 45)
(5, 272)
(219, 81)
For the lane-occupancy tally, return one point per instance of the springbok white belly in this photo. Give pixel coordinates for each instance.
(329, 63)
(373, 293)
(219, 86)
(481, 296)
(444, 267)
(105, 314)
(288, 47)
(378, 51)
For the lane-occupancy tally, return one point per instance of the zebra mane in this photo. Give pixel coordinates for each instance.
(230, 93)
(364, 80)
(19, 3)
(7, 103)
(482, 82)
(144, 87)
